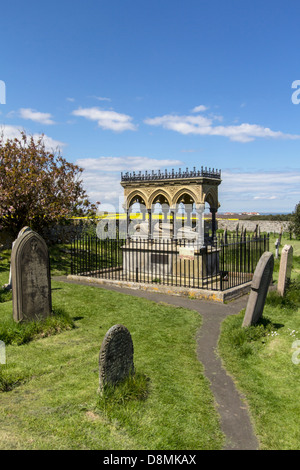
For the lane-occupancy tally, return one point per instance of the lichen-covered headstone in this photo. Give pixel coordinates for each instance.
(31, 283)
(116, 356)
(285, 269)
(259, 288)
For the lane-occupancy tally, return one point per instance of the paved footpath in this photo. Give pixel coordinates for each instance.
(231, 405)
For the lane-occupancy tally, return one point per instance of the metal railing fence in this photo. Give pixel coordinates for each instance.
(225, 264)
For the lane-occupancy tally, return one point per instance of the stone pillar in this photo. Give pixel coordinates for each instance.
(143, 214)
(172, 221)
(160, 221)
(150, 224)
(128, 221)
(165, 210)
(200, 223)
(188, 210)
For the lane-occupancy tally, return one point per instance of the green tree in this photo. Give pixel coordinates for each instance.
(295, 222)
(37, 188)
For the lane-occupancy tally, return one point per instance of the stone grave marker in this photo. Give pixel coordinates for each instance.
(116, 356)
(259, 288)
(31, 283)
(285, 269)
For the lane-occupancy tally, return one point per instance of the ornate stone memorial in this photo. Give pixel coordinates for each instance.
(31, 284)
(259, 288)
(116, 356)
(151, 248)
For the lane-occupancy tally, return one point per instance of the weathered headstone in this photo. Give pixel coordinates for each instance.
(31, 284)
(116, 356)
(259, 288)
(285, 269)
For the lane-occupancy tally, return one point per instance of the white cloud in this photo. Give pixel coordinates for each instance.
(266, 198)
(14, 132)
(201, 125)
(199, 109)
(107, 119)
(182, 124)
(42, 118)
(101, 98)
(259, 190)
(102, 176)
(126, 163)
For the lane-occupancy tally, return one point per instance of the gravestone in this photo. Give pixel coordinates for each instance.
(285, 269)
(116, 356)
(259, 288)
(31, 284)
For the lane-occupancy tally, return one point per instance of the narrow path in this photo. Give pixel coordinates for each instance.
(231, 406)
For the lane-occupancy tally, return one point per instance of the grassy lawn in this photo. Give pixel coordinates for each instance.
(52, 400)
(260, 360)
(49, 386)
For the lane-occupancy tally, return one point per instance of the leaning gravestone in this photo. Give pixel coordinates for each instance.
(285, 269)
(31, 284)
(259, 288)
(116, 356)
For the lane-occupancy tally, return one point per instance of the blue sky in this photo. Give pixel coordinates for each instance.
(126, 85)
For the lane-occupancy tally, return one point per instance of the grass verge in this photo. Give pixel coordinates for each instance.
(260, 359)
(51, 383)
(23, 332)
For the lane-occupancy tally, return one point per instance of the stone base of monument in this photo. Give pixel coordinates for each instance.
(204, 293)
(158, 260)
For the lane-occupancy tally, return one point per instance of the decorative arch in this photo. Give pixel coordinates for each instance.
(157, 193)
(211, 197)
(137, 193)
(181, 193)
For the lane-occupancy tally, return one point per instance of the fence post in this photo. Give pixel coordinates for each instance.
(71, 257)
(222, 265)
